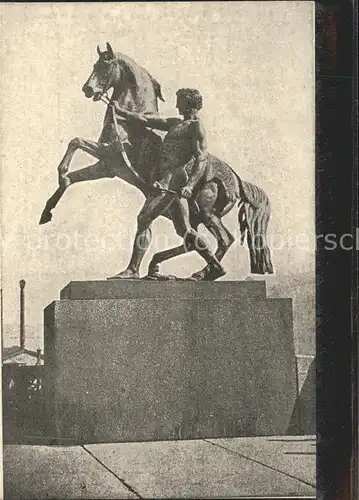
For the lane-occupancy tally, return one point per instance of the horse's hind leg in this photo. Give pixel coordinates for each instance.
(224, 238)
(221, 233)
(98, 170)
(206, 201)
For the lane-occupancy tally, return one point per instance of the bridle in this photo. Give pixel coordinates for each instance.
(104, 97)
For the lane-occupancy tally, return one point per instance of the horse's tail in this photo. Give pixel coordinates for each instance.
(253, 217)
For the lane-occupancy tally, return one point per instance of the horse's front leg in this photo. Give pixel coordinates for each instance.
(95, 149)
(100, 170)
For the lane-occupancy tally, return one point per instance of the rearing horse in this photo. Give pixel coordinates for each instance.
(131, 152)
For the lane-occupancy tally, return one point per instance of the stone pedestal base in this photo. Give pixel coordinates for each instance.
(134, 361)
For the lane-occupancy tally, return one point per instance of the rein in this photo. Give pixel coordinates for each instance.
(107, 101)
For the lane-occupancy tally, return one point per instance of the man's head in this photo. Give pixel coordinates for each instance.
(188, 100)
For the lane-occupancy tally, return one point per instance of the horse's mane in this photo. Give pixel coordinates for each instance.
(157, 88)
(139, 73)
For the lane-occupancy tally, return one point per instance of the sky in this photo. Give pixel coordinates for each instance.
(254, 65)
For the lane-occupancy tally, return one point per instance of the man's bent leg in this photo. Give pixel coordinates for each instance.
(192, 240)
(153, 207)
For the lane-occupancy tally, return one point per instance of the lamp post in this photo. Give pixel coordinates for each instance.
(2, 320)
(22, 284)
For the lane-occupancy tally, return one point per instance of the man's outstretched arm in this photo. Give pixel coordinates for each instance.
(156, 122)
(200, 154)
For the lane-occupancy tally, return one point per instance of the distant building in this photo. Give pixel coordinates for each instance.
(21, 357)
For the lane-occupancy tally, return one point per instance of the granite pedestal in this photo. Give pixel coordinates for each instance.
(144, 361)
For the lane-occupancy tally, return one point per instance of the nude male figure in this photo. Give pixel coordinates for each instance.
(185, 141)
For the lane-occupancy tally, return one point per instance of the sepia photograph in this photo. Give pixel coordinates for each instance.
(158, 242)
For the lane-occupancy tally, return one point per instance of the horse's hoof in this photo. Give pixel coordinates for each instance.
(215, 273)
(45, 217)
(200, 275)
(209, 273)
(153, 269)
(197, 276)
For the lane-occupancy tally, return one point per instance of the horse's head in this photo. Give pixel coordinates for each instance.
(133, 86)
(106, 74)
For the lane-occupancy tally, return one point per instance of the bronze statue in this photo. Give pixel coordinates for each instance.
(179, 178)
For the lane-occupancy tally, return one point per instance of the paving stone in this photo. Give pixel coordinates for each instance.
(292, 455)
(194, 469)
(37, 472)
